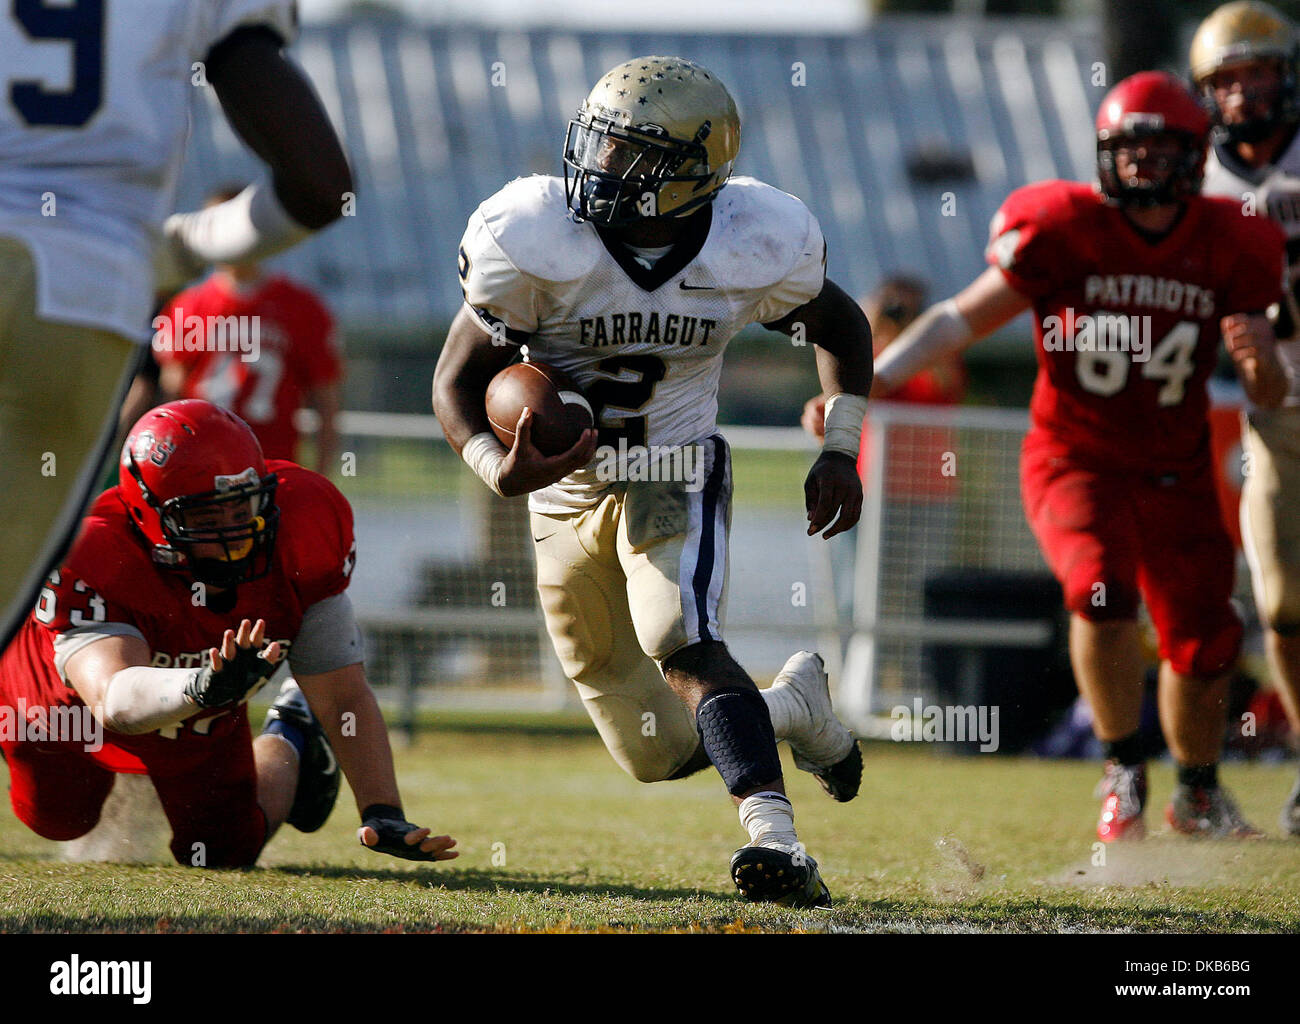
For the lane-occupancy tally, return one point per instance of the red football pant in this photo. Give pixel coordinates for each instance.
(1112, 536)
(58, 790)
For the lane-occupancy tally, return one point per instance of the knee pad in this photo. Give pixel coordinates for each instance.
(736, 729)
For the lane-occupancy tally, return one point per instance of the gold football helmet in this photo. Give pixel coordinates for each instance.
(1239, 33)
(656, 137)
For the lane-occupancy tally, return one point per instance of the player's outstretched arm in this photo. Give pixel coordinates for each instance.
(113, 677)
(343, 696)
(470, 358)
(841, 334)
(271, 105)
(950, 327)
(1250, 340)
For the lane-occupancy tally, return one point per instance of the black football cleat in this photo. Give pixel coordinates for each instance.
(842, 779)
(765, 874)
(318, 770)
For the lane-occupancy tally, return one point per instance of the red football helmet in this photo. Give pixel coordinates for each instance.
(1147, 105)
(194, 482)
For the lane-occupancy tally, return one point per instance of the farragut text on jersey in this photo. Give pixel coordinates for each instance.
(645, 329)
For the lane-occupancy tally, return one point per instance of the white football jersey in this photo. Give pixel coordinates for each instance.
(1274, 190)
(644, 343)
(93, 126)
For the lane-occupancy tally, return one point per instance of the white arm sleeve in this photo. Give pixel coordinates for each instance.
(253, 225)
(140, 699)
(941, 330)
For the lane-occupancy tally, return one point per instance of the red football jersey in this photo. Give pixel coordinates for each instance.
(1127, 328)
(293, 344)
(110, 576)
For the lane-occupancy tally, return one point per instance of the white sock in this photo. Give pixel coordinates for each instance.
(768, 817)
(785, 708)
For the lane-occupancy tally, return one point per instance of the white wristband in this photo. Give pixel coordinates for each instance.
(843, 423)
(251, 226)
(483, 453)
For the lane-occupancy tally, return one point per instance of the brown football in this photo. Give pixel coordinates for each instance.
(560, 411)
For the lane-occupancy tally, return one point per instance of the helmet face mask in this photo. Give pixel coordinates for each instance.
(1234, 44)
(618, 172)
(1176, 154)
(226, 535)
(195, 485)
(1266, 87)
(656, 137)
(1158, 126)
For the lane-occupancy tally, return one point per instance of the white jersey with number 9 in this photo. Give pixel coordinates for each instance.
(93, 124)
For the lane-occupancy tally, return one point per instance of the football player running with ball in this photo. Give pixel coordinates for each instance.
(1131, 282)
(631, 275)
(1244, 64)
(187, 584)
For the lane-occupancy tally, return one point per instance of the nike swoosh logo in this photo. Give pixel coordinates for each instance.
(538, 540)
(696, 287)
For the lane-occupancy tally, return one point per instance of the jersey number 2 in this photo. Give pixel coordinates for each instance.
(82, 25)
(630, 382)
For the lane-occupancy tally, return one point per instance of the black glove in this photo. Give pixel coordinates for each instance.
(239, 677)
(392, 828)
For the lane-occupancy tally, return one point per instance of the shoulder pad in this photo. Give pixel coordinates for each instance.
(1046, 203)
(760, 233)
(530, 223)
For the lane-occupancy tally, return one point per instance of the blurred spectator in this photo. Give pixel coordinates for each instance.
(898, 301)
(286, 358)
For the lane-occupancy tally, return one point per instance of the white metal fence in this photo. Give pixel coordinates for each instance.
(942, 493)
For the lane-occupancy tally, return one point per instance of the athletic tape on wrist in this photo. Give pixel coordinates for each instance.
(484, 454)
(843, 423)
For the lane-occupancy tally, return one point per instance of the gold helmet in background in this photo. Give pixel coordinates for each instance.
(1238, 33)
(656, 137)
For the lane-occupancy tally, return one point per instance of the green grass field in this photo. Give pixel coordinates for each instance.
(555, 838)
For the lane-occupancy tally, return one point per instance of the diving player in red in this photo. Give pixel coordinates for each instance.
(1131, 282)
(158, 623)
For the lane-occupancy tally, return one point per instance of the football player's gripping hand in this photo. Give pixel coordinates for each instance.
(833, 485)
(1250, 341)
(525, 469)
(238, 670)
(384, 829)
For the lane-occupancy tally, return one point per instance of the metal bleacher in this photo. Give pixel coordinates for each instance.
(903, 139)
